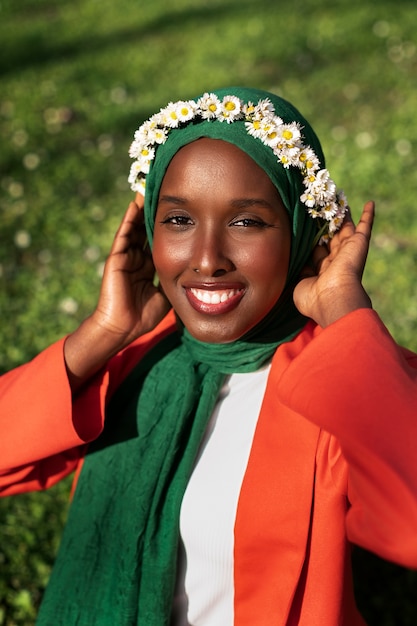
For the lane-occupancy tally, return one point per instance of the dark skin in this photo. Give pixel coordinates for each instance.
(130, 305)
(334, 287)
(221, 230)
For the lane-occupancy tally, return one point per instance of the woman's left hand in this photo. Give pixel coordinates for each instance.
(335, 287)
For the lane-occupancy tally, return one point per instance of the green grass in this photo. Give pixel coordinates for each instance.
(78, 77)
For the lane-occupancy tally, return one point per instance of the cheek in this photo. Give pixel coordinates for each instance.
(270, 262)
(168, 257)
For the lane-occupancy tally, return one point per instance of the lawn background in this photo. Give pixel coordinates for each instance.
(78, 77)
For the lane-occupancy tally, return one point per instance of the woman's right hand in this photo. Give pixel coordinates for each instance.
(129, 305)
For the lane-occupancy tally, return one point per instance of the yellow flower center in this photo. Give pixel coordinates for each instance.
(212, 107)
(230, 106)
(287, 134)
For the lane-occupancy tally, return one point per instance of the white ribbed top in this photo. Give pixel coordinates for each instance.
(209, 506)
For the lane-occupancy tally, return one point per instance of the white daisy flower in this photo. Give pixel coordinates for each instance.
(329, 210)
(309, 180)
(321, 186)
(135, 170)
(158, 135)
(254, 129)
(144, 165)
(335, 224)
(147, 127)
(270, 132)
(293, 153)
(271, 138)
(320, 196)
(210, 106)
(342, 201)
(185, 110)
(328, 188)
(288, 157)
(230, 109)
(134, 149)
(169, 115)
(314, 213)
(308, 199)
(248, 110)
(140, 185)
(264, 108)
(147, 152)
(284, 159)
(278, 121)
(290, 134)
(308, 158)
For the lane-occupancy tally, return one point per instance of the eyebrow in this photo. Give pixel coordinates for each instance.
(245, 203)
(172, 199)
(238, 203)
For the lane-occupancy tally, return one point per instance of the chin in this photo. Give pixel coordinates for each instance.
(207, 336)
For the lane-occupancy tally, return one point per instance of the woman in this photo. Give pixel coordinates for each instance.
(258, 443)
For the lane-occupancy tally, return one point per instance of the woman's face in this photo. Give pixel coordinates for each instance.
(221, 242)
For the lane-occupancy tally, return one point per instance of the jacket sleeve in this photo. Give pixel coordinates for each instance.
(356, 383)
(42, 433)
(43, 430)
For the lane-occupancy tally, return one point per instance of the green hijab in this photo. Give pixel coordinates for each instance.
(117, 560)
(284, 319)
(287, 181)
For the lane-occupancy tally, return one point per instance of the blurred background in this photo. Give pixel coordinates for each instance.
(77, 78)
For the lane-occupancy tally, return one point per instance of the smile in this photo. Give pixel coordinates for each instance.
(214, 302)
(214, 297)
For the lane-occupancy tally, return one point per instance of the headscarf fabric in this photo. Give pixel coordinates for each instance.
(117, 560)
(287, 181)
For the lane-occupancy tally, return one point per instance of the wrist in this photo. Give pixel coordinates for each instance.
(88, 349)
(342, 303)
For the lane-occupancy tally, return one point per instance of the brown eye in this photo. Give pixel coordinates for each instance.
(247, 222)
(178, 220)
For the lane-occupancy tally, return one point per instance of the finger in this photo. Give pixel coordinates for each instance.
(348, 216)
(131, 231)
(140, 203)
(319, 254)
(366, 221)
(140, 200)
(346, 230)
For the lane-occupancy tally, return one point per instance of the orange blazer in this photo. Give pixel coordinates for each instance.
(332, 461)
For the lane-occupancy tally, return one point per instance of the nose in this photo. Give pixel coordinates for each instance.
(211, 255)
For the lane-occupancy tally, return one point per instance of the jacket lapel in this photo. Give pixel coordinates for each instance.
(274, 510)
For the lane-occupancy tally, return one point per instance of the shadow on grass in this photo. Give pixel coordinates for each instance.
(33, 49)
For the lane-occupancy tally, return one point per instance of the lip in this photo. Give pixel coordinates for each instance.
(214, 299)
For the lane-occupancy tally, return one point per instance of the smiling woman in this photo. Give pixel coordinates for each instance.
(238, 415)
(221, 240)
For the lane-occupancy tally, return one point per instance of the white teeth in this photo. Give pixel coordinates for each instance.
(213, 297)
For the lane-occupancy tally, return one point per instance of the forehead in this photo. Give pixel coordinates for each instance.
(217, 161)
(208, 147)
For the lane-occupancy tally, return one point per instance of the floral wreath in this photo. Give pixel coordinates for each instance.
(321, 198)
